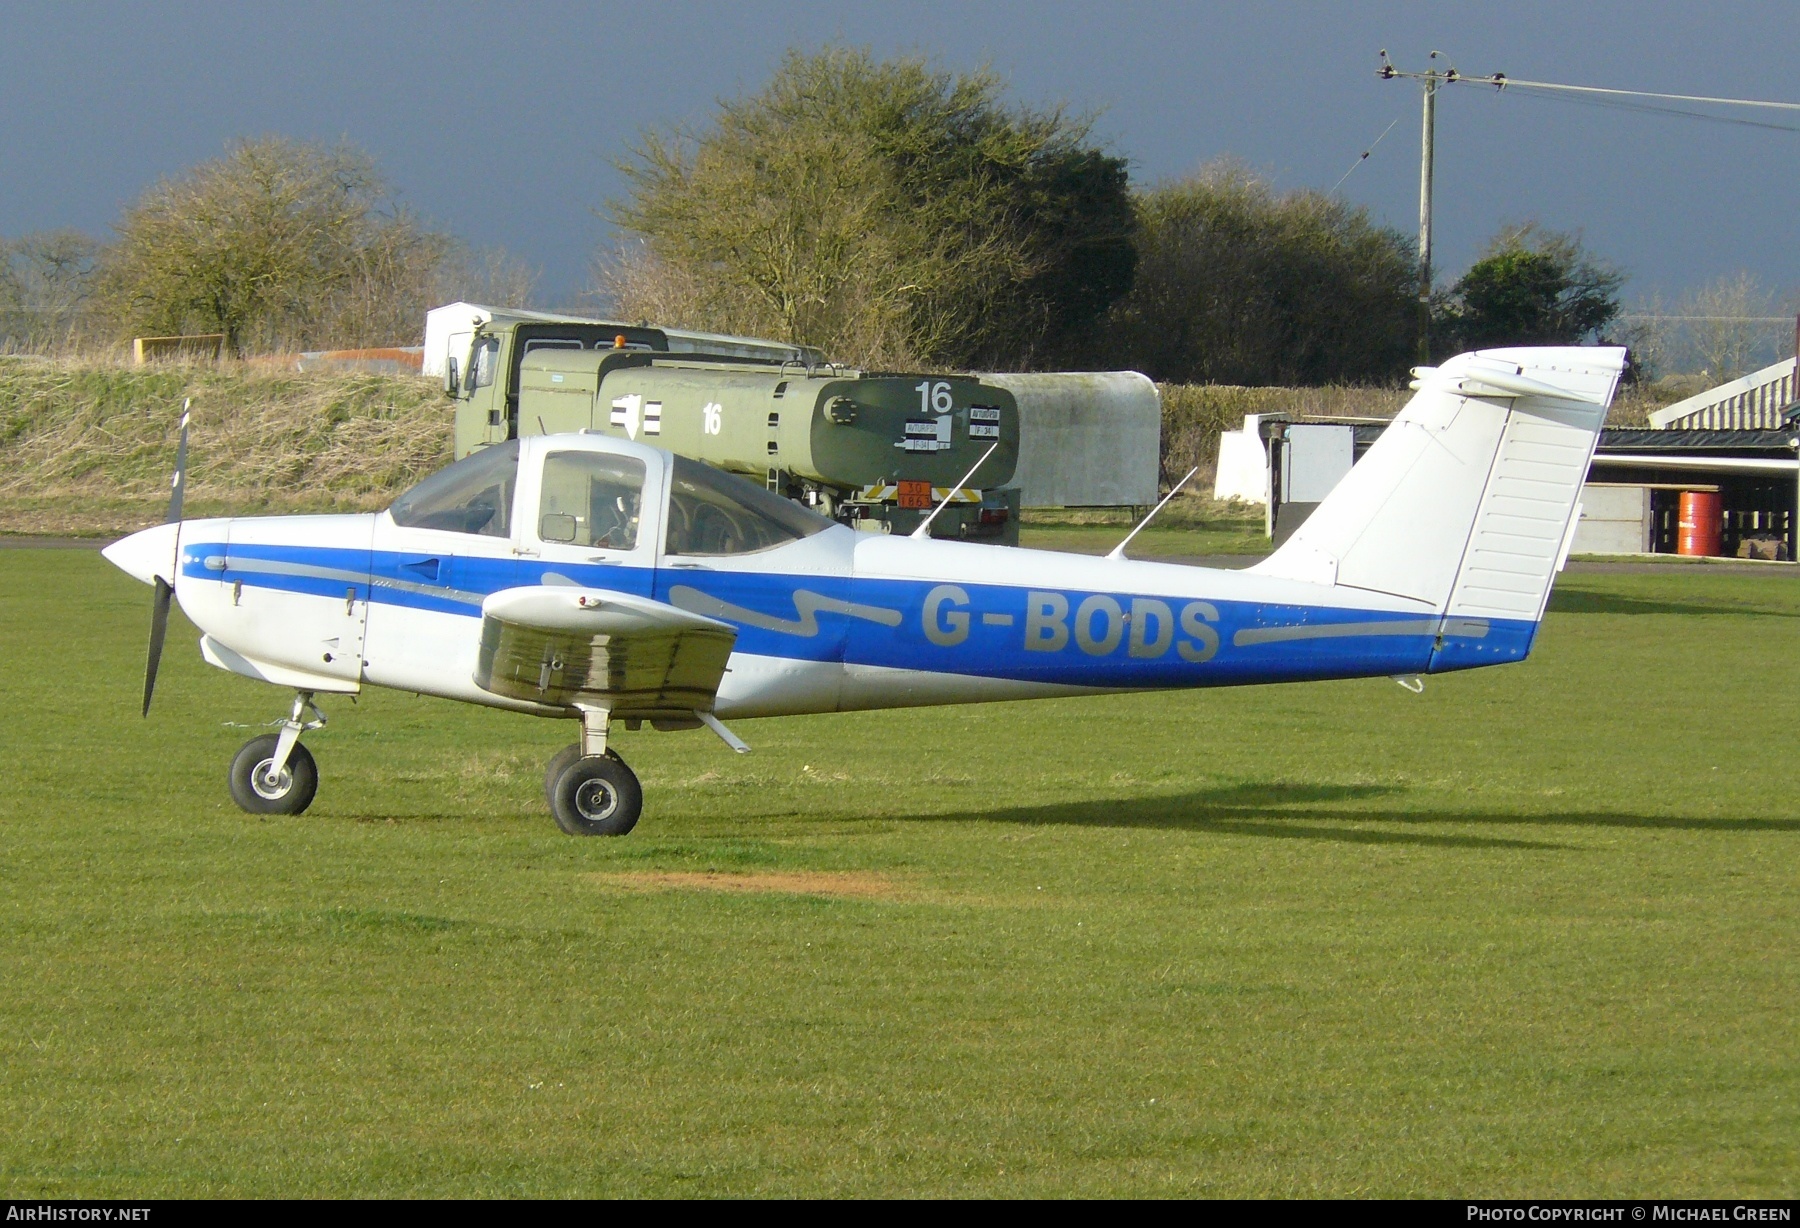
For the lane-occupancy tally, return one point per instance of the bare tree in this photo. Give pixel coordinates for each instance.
(1650, 335)
(491, 276)
(46, 288)
(630, 283)
(1729, 325)
(277, 244)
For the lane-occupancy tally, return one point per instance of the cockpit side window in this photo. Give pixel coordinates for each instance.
(472, 496)
(591, 499)
(713, 512)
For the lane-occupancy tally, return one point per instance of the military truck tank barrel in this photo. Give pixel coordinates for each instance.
(874, 450)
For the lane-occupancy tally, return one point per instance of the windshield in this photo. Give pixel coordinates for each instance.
(472, 496)
(713, 512)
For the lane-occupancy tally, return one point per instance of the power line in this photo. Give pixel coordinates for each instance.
(1433, 80)
(1365, 155)
(1603, 96)
(1501, 81)
(1643, 108)
(1651, 315)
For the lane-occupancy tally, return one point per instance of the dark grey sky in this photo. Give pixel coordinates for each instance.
(500, 122)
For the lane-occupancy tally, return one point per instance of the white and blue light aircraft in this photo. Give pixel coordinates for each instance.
(594, 578)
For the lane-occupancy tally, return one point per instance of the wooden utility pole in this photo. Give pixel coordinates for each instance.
(1432, 80)
(1426, 151)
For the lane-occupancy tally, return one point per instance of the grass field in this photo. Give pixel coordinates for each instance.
(1536, 931)
(1190, 526)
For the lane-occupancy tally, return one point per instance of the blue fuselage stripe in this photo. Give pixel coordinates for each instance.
(1051, 635)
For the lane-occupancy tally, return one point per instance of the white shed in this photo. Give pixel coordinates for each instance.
(1087, 438)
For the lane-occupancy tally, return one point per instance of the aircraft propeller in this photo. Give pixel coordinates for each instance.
(165, 590)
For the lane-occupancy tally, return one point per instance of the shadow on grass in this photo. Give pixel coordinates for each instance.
(1273, 811)
(1581, 601)
(1298, 812)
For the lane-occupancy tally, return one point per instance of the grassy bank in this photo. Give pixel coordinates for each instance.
(88, 448)
(1533, 933)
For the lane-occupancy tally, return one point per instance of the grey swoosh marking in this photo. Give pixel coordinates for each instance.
(430, 590)
(1472, 628)
(807, 605)
(271, 567)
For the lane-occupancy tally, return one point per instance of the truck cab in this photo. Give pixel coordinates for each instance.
(485, 378)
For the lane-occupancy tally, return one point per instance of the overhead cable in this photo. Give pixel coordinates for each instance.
(1502, 81)
(1365, 156)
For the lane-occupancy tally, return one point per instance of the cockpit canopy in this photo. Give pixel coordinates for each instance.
(714, 512)
(592, 496)
(475, 495)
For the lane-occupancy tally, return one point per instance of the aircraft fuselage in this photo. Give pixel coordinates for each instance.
(836, 622)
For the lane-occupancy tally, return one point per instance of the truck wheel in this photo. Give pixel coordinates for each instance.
(291, 793)
(597, 796)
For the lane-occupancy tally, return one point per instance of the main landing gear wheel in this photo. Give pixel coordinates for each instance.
(290, 793)
(559, 763)
(596, 796)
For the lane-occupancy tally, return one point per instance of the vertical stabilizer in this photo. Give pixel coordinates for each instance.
(1464, 504)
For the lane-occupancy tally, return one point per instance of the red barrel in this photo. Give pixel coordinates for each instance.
(1702, 517)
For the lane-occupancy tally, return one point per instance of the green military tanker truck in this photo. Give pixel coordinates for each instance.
(875, 451)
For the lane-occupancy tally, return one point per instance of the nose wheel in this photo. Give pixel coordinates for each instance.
(273, 773)
(258, 787)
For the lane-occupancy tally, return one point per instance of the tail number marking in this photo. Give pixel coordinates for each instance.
(1100, 624)
(946, 628)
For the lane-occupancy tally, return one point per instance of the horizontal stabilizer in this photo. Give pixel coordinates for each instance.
(1494, 380)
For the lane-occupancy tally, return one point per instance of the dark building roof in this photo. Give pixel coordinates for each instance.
(1690, 442)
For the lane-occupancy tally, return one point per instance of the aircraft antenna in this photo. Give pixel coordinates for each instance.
(1118, 551)
(920, 532)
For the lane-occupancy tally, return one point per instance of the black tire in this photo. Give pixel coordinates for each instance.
(559, 763)
(597, 796)
(300, 781)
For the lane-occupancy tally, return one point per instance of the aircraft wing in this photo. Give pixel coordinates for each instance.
(566, 645)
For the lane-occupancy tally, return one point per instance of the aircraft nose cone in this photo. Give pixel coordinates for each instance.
(146, 555)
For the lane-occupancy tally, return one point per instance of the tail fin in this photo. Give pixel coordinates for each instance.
(1467, 502)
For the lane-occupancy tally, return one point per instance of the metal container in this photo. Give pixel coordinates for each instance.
(1702, 522)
